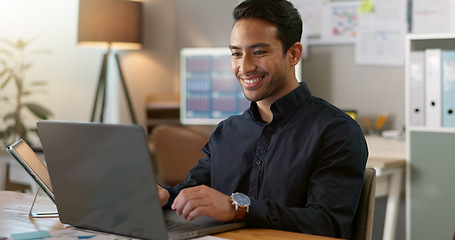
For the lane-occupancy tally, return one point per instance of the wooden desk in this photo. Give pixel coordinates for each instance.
(267, 234)
(388, 158)
(14, 208)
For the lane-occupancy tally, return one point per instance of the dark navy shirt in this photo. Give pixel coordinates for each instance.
(303, 171)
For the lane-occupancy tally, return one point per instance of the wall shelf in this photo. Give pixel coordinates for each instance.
(430, 153)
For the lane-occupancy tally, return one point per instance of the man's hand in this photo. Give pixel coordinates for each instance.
(163, 194)
(203, 201)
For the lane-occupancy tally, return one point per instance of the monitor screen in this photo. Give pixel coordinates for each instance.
(209, 91)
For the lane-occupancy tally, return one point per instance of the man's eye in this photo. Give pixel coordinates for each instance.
(235, 54)
(259, 52)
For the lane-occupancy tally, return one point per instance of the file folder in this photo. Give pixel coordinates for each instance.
(417, 90)
(448, 88)
(433, 87)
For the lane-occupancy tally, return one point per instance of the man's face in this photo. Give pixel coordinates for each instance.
(258, 61)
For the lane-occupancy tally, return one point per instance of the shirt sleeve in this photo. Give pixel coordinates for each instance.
(333, 192)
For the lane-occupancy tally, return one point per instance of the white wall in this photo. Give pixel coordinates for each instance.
(331, 74)
(69, 70)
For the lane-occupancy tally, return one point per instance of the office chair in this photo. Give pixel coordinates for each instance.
(363, 219)
(177, 150)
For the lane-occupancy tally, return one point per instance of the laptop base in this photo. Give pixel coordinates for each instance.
(40, 214)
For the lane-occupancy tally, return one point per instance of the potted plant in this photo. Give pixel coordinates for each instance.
(14, 64)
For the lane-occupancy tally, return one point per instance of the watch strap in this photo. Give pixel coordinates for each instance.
(240, 212)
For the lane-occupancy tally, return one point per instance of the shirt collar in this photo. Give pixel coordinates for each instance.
(285, 105)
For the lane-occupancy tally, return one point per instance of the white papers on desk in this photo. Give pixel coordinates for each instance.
(77, 233)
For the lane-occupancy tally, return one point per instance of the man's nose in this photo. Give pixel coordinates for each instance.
(246, 65)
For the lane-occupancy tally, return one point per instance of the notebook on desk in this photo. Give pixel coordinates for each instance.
(102, 179)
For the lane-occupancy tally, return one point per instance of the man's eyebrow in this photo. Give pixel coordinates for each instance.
(250, 46)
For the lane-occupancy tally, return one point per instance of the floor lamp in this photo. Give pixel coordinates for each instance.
(110, 24)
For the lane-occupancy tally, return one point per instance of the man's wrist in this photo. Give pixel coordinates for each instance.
(239, 214)
(241, 204)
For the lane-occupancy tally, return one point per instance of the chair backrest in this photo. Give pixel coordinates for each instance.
(364, 216)
(177, 150)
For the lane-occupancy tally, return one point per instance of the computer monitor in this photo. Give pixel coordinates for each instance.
(209, 91)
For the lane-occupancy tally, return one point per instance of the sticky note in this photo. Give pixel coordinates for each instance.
(366, 6)
(30, 235)
(86, 237)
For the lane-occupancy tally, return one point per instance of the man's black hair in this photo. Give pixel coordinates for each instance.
(281, 13)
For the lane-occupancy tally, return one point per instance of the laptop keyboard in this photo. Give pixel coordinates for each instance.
(176, 226)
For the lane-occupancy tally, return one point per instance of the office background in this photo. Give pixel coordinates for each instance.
(72, 71)
(169, 25)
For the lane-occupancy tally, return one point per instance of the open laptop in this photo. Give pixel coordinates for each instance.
(102, 179)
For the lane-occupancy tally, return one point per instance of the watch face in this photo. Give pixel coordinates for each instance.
(241, 199)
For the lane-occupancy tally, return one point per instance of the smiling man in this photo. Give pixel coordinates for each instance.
(292, 161)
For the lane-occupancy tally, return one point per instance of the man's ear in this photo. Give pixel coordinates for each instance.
(295, 53)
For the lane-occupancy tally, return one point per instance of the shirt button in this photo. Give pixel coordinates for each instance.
(258, 162)
(268, 128)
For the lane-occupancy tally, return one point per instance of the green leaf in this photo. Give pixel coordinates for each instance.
(3, 72)
(18, 82)
(11, 115)
(5, 99)
(33, 130)
(8, 132)
(38, 110)
(30, 92)
(20, 44)
(6, 52)
(38, 83)
(30, 40)
(6, 81)
(23, 131)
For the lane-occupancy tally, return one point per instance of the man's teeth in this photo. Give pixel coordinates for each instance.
(249, 81)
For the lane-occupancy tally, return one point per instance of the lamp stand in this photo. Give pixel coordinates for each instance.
(101, 89)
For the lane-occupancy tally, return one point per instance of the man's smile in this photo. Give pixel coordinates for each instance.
(250, 81)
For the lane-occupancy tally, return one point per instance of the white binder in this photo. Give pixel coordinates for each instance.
(433, 87)
(417, 90)
(448, 88)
